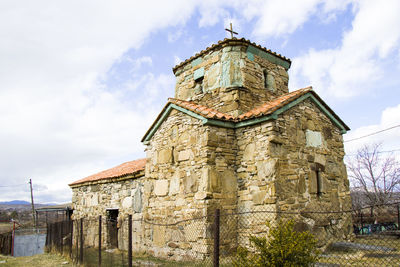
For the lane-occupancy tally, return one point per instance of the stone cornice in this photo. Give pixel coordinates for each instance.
(254, 49)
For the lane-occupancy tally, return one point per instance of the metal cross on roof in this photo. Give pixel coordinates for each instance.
(231, 31)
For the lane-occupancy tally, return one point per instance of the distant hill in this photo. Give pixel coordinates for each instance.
(23, 202)
(15, 202)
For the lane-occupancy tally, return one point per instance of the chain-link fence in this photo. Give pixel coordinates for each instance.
(342, 237)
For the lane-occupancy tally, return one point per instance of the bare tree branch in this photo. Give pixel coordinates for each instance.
(376, 176)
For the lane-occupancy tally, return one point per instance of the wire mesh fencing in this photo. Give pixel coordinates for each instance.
(341, 237)
(6, 243)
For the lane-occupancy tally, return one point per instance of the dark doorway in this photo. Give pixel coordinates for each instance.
(112, 228)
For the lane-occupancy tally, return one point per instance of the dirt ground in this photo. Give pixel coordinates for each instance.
(42, 260)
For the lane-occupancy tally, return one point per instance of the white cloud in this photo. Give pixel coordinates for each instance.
(390, 117)
(173, 36)
(177, 60)
(358, 63)
(279, 18)
(212, 11)
(58, 121)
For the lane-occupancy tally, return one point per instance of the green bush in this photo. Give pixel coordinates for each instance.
(283, 246)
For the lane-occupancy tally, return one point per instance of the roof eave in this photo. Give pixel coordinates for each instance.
(313, 97)
(250, 121)
(128, 176)
(164, 115)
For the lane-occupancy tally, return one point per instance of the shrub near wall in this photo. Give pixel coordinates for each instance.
(283, 246)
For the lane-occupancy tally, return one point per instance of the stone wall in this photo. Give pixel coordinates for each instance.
(230, 81)
(311, 174)
(91, 201)
(191, 169)
(277, 170)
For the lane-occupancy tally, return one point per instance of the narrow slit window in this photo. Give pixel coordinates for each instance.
(172, 154)
(319, 185)
(319, 168)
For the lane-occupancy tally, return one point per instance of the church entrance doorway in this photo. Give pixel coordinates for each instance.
(112, 228)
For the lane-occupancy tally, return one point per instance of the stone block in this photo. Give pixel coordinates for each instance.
(258, 197)
(228, 181)
(266, 169)
(161, 188)
(185, 155)
(174, 186)
(201, 195)
(137, 200)
(164, 156)
(190, 183)
(313, 139)
(159, 235)
(127, 203)
(213, 75)
(214, 180)
(320, 159)
(249, 151)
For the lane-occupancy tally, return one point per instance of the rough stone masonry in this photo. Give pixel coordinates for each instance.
(233, 138)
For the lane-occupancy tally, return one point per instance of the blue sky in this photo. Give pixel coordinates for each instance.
(80, 83)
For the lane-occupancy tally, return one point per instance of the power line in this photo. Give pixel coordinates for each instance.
(379, 152)
(387, 129)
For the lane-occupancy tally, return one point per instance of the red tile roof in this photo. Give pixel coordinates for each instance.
(201, 110)
(127, 168)
(228, 41)
(271, 106)
(264, 109)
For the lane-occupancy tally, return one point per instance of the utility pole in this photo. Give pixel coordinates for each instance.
(33, 205)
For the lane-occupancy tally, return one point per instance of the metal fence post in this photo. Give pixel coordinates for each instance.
(216, 238)
(77, 241)
(398, 216)
(13, 238)
(130, 241)
(81, 243)
(100, 240)
(71, 231)
(61, 224)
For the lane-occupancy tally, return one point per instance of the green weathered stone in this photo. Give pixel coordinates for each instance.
(197, 61)
(252, 50)
(199, 73)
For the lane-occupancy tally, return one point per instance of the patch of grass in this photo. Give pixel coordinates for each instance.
(356, 257)
(42, 260)
(117, 258)
(5, 227)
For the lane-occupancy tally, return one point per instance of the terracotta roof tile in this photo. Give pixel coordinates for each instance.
(265, 109)
(271, 106)
(127, 168)
(226, 41)
(201, 110)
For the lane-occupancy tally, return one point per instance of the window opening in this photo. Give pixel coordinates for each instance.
(319, 168)
(269, 81)
(198, 86)
(318, 176)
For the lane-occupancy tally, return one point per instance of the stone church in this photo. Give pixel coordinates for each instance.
(234, 138)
